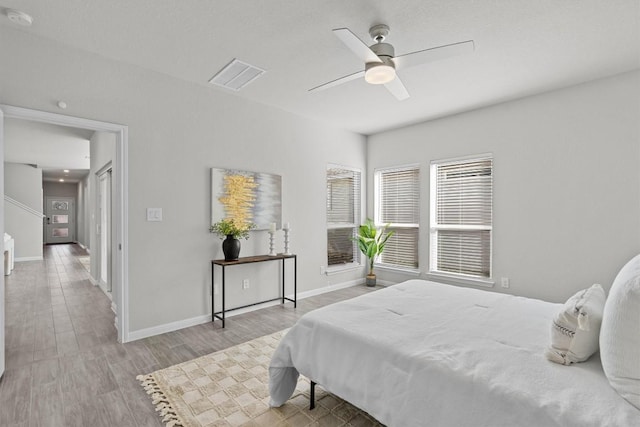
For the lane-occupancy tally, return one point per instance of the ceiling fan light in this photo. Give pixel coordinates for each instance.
(379, 74)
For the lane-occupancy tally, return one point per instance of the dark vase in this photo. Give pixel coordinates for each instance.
(371, 280)
(231, 248)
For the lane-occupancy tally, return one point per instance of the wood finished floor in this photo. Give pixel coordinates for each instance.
(64, 366)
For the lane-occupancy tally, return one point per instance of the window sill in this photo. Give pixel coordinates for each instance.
(330, 271)
(404, 270)
(460, 280)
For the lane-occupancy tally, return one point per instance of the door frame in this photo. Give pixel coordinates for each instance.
(106, 172)
(2, 307)
(120, 197)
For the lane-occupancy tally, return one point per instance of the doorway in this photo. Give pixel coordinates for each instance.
(118, 272)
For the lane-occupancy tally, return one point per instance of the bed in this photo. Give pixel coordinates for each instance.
(423, 353)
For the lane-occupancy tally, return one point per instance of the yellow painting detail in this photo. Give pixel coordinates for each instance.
(239, 198)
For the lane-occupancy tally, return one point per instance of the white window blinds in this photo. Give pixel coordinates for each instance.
(461, 217)
(398, 204)
(343, 214)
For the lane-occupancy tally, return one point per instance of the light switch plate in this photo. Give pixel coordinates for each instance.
(154, 214)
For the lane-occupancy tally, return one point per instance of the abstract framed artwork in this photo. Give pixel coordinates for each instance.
(246, 197)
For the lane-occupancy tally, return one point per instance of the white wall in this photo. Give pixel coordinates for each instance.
(23, 183)
(566, 182)
(177, 132)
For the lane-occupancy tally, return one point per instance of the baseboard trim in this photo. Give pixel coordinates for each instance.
(206, 318)
(328, 288)
(28, 258)
(103, 287)
(168, 327)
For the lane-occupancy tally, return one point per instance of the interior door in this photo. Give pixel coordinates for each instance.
(60, 220)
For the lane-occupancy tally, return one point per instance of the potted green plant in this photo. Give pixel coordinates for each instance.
(232, 231)
(371, 241)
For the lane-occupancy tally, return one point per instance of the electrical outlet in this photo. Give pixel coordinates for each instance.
(245, 284)
(504, 282)
(323, 269)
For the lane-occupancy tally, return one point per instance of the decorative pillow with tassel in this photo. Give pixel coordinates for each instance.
(575, 330)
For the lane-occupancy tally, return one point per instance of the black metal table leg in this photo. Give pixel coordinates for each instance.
(312, 396)
(213, 292)
(283, 276)
(223, 286)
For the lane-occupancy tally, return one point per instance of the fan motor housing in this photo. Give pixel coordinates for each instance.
(383, 49)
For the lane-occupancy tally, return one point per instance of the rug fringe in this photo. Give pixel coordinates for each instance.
(163, 406)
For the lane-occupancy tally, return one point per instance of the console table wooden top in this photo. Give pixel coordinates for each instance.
(251, 259)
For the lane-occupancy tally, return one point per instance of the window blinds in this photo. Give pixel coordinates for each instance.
(343, 214)
(398, 192)
(461, 229)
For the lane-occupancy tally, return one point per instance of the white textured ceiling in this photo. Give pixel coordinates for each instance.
(52, 148)
(523, 47)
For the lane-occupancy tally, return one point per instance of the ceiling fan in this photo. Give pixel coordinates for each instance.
(381, 63)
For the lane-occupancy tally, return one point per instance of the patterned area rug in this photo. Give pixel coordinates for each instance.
(230, 388)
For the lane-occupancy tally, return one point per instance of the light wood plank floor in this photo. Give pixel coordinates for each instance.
(64, 366)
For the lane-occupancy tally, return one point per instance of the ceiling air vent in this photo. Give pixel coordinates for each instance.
(236, 75)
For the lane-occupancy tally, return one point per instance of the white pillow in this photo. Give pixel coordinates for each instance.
(620, 334)
(575, 330)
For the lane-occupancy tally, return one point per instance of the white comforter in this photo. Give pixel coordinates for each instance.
(425, 354)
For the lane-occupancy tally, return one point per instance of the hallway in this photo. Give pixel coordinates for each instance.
(53, 310)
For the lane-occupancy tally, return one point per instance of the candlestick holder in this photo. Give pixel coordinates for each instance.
(272, 250)
(286, 241)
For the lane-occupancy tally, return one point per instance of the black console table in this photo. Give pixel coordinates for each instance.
(250, 260)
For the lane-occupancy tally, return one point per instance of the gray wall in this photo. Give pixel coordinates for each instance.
(566, 182)
(59, 189)
(177, 132)
(23, 183)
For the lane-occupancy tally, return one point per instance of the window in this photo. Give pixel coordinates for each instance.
(397, 200)
(461, 217)
(343, 215)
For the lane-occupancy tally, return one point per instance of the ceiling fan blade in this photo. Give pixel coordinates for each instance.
(356, 45)
(435, 53)
(397, 89)
(337, 82)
